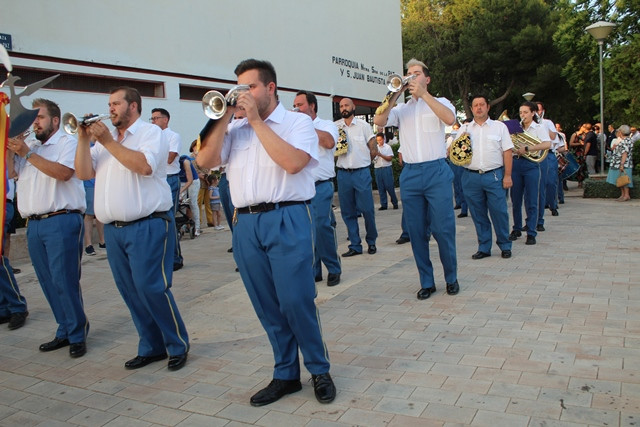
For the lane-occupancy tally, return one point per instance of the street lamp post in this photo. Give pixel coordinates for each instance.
(528, 96)
(600, 31)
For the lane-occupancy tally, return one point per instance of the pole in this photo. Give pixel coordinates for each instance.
(602, 124)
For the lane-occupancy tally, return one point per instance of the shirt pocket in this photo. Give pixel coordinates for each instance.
(494, 140)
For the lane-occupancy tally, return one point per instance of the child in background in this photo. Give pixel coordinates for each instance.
(214, 201)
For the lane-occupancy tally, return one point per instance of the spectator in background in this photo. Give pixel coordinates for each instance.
(591, 148)
(89, 218)
(214, 201)
(382, 165)
(622, 162)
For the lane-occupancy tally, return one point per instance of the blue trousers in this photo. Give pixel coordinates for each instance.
(458, 190)
(486, 197)
(55, 248)
(11, 301)
(525, 175)
(174, 183)
(142, 267)
(384, 181)
(326, 246)
(354, 193)
(552, 181)
(274, 253)
(427, 201)
(542, 191)
(225, 198)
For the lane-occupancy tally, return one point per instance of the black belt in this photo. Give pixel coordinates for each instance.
(481, 171)
(164, 215)
(173, 174)
(50, 214)
(9, 201)
(322, 181)
(266, 207)
(353, 170)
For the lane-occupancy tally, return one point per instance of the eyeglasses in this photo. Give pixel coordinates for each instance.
(153, 119)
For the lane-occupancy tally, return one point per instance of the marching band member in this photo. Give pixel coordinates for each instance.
(426, 179)
(487, 177)
(129, 162)
(526, 176)
(550, 180)
(270, 156)
(326, 247)
(354, 179)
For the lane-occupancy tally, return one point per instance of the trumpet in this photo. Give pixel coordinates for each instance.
(395, 82)
(214, 104)
(70, 122)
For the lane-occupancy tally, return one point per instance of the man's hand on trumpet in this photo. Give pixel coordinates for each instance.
(18, 145)
(247, 103)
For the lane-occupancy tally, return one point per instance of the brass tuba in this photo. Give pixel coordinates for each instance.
(521, 139)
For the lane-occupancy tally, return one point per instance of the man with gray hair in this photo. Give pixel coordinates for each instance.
(426, 179)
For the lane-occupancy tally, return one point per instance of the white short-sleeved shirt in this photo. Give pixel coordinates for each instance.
(386, 150)
(38, 193)
(423, 133)
(358, 155)
(175, 144)
(551, 127)
(253, 175)
(489, 141)
(539, 131)
(326, 167)
(123, 195)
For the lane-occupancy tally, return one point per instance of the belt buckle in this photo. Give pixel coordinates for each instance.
(251, 208)
(118, 224)
(480, 171)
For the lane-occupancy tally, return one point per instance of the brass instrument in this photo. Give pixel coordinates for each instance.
(70, 122)
(522, 139)
(214, 104)
(395, 83)
(460, 153)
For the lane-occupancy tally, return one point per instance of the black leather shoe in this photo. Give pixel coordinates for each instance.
(230, 250)
(480, 255)
(55, 344)
(333, 279)
(372, 249)
(462, 215)
(78, 349)
(395, 207)
(514, 235)
(5, 319)
(318, 279)
(351, 252)
(425, 293)
(402, 240)
(382, 208)
(457, 207)
(177, 362)
(141, 361)
(17, 320)
(506, 253)
(453, 288)
(554, 212)
(17, 271)
(530, 240)
(540, 227)
(177, 266)
(324, 388)
(274, 391)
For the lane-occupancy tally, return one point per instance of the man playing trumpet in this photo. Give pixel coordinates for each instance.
(425, 181)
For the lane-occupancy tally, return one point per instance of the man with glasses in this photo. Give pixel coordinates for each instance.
(161, 117)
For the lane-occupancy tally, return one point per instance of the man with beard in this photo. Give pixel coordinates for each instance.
(270, 156)
(52, 198)
(425, 181)
(326, 247)
(133, 200)
(354, 179)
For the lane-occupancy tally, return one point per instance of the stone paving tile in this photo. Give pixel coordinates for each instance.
(522, 344)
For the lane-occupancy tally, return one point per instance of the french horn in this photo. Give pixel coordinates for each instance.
(522, 139)
(460, 153)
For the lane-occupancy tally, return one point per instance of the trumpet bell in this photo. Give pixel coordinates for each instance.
(214, 104)
(70, 122)
(395, 82)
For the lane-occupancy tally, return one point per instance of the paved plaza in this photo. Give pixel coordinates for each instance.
(550, 337)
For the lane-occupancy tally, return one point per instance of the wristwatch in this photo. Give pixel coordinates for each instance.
(29, 153)
(526, 148)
